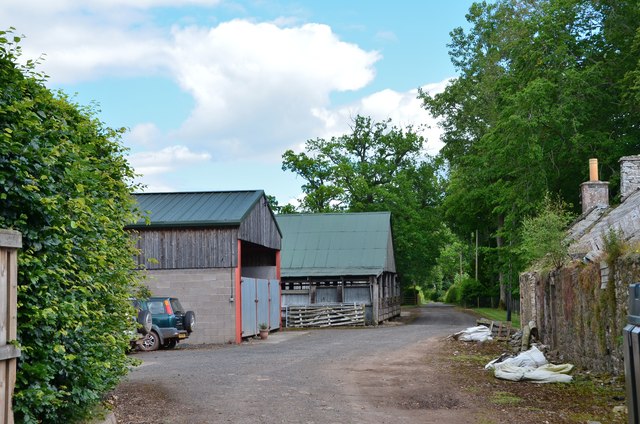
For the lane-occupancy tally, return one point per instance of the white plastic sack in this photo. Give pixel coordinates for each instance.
(548, 373)
(480, 333)
(530, 358)
(529, 365)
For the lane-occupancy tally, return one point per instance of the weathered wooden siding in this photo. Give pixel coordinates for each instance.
(390, 264)
(185, 248)
(260, 227)
(381, 295)
(389, 302)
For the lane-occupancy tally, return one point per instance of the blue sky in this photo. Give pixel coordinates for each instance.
(213, 92)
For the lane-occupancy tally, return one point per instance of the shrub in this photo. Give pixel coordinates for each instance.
(544, 237)
(465, 291)
(64, 185)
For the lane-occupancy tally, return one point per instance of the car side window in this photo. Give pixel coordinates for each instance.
(156, 307)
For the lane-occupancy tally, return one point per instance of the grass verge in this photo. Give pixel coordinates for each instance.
(496, 315)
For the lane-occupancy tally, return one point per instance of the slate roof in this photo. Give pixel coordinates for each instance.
(336, 244)
(193, 209)
(587, 233)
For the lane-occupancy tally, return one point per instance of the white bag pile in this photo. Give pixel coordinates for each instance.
(480, 333)
(530, 365)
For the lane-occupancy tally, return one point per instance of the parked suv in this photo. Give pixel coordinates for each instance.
(170, 322)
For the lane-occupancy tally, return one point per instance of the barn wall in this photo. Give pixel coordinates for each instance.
(389, 293)
(207, 292)
(183, 248)
(390, 264)
(260, 227)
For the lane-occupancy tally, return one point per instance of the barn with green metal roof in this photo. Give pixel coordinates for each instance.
(340, 258)
(219, 253)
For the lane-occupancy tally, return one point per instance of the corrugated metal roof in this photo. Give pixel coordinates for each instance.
(196, 208)
(334, 244)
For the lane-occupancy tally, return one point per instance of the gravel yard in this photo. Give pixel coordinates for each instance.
(389, 374)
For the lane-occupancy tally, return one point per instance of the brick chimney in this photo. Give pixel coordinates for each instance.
(629, 175)
(595, 193)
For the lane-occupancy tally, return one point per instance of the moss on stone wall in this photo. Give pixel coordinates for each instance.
(576, 317)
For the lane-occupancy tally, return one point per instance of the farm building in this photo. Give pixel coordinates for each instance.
(339, 259)
(219, 253)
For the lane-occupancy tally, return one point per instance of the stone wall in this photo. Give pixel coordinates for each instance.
(578, 319)
(629, 175)
(207, 292)
(595, 194)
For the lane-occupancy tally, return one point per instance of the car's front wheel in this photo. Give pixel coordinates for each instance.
(150, 342)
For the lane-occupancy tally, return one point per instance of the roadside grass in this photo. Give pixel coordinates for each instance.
(505, 398)
(495, 314)
(589, 397)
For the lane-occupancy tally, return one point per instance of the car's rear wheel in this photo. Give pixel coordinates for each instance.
(170, 344)
(189, 321)
(145, 321)
(150, 342)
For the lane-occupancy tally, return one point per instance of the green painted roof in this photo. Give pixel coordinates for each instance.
(335, 244)
(209, 208)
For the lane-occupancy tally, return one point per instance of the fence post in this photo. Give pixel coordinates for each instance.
(10, 242)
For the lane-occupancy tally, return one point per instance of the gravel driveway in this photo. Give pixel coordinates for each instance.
(319, 376)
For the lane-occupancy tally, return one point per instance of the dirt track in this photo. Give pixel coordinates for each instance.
(389, 374)
(322, 376)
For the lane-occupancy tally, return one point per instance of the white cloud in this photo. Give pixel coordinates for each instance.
(256, 84)
(167, 160)
(258, 87)
(144, 134)
(404, 109)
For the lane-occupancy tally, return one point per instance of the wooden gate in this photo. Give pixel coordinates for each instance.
(10, 242)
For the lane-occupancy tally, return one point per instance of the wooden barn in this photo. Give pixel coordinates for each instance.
(338, 260)
(219, 253)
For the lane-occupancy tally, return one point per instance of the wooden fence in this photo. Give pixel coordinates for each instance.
(10, 242)
(330, 315)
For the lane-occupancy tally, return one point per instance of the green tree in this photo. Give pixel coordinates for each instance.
(544, 236)
(276, 208)
(378, 167)
(542, 87)
(65, 184)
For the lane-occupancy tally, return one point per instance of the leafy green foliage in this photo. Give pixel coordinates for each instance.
(543, 86)
(452, 259)
(64, 183)
(378, 167)
(544, 237)
(276, 208)
(465, 291)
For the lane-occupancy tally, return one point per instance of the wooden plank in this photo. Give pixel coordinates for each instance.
(9, 352)
(12, 298)
(5, 399)
(9, 242)
(11, 382)
(4, 295)
(324, 315)
(10, 239)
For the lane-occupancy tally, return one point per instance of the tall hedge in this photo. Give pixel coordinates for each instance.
(65, 184)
